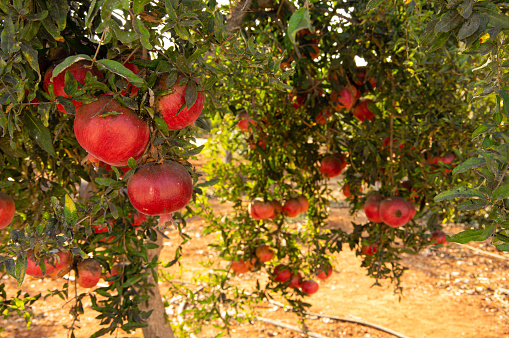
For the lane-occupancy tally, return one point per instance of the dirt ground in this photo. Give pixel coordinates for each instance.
(449, 292)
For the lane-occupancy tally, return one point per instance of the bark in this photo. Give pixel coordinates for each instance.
(157, 326)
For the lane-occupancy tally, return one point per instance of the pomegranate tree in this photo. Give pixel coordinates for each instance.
(78, 70)
(173, 107)
(160, 188)
(112, 138)
(7, 210)
(88, 273)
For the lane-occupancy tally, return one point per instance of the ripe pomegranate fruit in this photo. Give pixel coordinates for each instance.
(361, 111)
(345, 98)
(296, 280)
(360, 72)
(112, 139)
(160, 188)
(78, 70)
(245, 121)
(438, 237)
(322, 118)
(372, 208)
(62, 265)
(309, 287)
(370, 249)
(282, 273)
(347, 192)
(169, 105)
(241, 267)
(292, 207)
(304, 203)
(114, 271)
(324, 272)
(7, 210)
(395, 211)
(259, 209)
(332, 165)
(102, 228)
(297, 100)
(89, 273)
(53, 266)
(278, 209)
(264, 253)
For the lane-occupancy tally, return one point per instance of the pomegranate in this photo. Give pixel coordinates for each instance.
(370, 249)
(361, 111)
(133, 68)
(138, 219)
(114, 271)
(282, 273)
(395, 211)
(102, 228)
(260, 210)
(309, 287)
(297, 100)
(89, 273)
(322, 118)
(438, 237)
(332, 165)
(53, 266)
(278, 209)
(361, 75)
(395, 143)
(345, 98)
(62, 265)
(324, 272)
(296, 280)
(112, 139)
(264, 253)
(292, 207)
(372, 208)
(347, 192)
(169, 106)
(245, 121)
(304, 203)
(241, 267)
(7, 209)
(160, 188)
(78, 70)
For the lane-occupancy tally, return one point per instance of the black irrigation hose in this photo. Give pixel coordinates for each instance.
(360, 322)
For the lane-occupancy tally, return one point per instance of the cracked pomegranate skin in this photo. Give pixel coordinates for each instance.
(157, 189)
(112, 139)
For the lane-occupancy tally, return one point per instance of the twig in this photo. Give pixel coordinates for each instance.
(354, 321)
(289, 327)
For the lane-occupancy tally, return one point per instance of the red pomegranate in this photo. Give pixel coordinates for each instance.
(322, 118)
(62, 264)
(7, 209)
(114, 138)
(360, 72)
(160, 188)
(304, 203)
(169, 105)
(133, 68)
(370, 249)
(282, 273)
(345, 98)
(438, 237)
(296, 280)
(324, 272)
(259, 209)
(347, 192)
(372, 208)
(309, 287)
(245, 121)
(103, 228)
(53, 266)
(292, 207)
(361, 111)
(395, 143)
(278, 209)
(241, 267)
(395, 211)
(264, 253)
(78, 70)
(114, 271)
(332, 165)
(89, 273)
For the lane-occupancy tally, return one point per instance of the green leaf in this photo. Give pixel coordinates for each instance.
(499, 20)
(505, 97)
(170, 11)
(501, 192)
(77, 251)
(472, 204)
(40, 133)
(70, 212)
(138, 6)
(465, 9)
(113, 210)
(58, 11)
(21, 267)
(162, 125)
(143, 33)
(448, 22)
(467, 236)
(373, 4)
(458, 192)
(469, 27)
(182, 32)
(104, 181)
(71, 85)
(298, 21)
(31, 56)
(69, 61)
(131, 162)
(8, 36)
(428, 36)
(194, 151)
(118, 68)
(191, 94)
(439, 41)
(471, 163)
(483, 130)
(208, 183)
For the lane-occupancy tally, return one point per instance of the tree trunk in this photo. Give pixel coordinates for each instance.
(157, 326)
